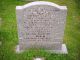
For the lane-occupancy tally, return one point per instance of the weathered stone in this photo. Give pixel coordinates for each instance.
(41, 25)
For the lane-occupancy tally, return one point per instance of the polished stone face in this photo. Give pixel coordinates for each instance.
(41, 26)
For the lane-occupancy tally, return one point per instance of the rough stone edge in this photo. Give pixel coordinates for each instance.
(18, 49)
(62, 51)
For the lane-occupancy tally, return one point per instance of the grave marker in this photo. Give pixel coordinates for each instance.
(41, 25)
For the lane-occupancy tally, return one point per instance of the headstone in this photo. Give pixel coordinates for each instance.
(41, 25)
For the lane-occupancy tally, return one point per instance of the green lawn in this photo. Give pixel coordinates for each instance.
(9, 37)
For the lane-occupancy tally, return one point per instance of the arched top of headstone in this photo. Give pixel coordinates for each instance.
(41, 3)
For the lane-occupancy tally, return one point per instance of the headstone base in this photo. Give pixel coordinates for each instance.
(62, 51)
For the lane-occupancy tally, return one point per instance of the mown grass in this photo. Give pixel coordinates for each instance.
(9, 37)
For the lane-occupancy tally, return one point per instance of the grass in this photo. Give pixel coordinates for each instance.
(9, 37)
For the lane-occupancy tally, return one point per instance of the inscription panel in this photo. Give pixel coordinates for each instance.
(41, 23)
